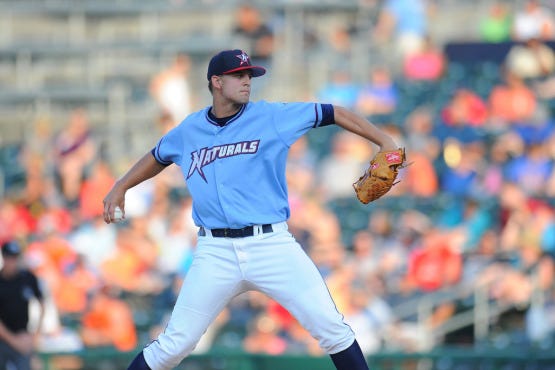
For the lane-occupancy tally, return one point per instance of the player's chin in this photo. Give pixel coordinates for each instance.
(243, 97)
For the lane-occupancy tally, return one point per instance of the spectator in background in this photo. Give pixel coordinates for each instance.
(497, 24)
(18, 286)
(171, 90)
(108, 322)
(325, 246)
(378, 97)
(465, 108)
(530, 60)
(251, 32)
(460, 176)
(531, 170)
(511, 101)
(533, 21)
(37, 159)
(463, 118)
(132, 265)
(263, 336)
(405, 22)
(513, 209)
(176, 244)
(337, 45)
(93, 241)
(347, 160)
(340, 42)
(418, 130)
(550, 186)
(467, 220)
(340, 89)
(76, 282)
(99, 180)
(492, 173)
(300, 173)
(75, 150)
(435, 264)
(421, 178)
(16, 220)
(363, 257)
(426, 64)
(541, 231)
(369, 316)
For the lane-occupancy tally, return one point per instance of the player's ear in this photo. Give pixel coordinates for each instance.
(217, 81)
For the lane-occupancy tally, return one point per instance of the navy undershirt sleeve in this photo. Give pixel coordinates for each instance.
(328, 116)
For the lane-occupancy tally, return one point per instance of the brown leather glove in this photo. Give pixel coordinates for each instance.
(380, 175)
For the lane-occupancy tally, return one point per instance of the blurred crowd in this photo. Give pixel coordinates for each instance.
(472, 218)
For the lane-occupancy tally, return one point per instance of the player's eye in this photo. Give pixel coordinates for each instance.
(240, 74)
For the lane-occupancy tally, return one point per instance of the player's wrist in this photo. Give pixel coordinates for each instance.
(388, 144)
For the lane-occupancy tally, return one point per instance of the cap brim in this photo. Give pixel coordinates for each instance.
(257, 71)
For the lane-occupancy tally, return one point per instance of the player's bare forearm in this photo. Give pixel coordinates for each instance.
(357, 124)
(144, 169)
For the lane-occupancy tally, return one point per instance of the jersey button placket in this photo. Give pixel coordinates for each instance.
(220, 186)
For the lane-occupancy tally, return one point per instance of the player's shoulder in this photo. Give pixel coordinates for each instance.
(274, 105)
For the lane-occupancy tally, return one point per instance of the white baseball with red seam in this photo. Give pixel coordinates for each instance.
(118, 215)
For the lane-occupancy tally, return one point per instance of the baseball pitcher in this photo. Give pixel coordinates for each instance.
(233, 155)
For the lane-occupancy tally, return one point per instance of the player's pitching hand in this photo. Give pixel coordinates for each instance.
(114, 206)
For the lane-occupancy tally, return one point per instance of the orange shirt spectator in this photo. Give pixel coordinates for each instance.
(109, 322)
(93, 190)
(513, 101)
(75, 286)
(132, 265)
(420, 178)
(123, 269)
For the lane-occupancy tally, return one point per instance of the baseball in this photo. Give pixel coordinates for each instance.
(118, 214)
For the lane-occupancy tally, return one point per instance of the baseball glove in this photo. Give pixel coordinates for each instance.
(380, 175)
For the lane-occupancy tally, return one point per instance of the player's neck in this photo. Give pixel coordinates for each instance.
(222, 121)
(225, 110)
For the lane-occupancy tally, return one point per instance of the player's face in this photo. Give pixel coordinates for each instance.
(237, 86)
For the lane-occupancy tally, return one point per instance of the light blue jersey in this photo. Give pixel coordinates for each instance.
(236, 173)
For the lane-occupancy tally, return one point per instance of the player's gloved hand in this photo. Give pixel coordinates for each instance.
(380, 175)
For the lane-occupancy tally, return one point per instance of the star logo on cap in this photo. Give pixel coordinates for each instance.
(244, 58)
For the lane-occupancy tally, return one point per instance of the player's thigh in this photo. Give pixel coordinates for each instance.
(290, 277)
(212, 280)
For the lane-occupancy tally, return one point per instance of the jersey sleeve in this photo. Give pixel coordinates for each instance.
(295, 119)
(168, 148)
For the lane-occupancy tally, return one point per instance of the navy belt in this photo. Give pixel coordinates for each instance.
(235, 233)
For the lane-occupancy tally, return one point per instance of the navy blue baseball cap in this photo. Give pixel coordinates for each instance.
(229, 61)
(11, 248)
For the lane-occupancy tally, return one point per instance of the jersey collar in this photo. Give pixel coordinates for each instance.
(221, 122)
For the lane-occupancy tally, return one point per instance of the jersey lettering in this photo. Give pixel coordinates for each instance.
(205, 156)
